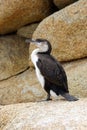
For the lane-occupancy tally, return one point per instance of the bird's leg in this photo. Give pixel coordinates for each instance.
(47, 89)
(48, 94)
(48, 97)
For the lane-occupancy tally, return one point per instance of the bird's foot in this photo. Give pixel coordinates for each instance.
(48, 99)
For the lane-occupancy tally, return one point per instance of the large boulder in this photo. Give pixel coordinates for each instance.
(21, 88)
(63, 3)
(66, 30)
(25, 86)
(16, 13)
(77, 77)
(58, 115)
(14, 53)
(27, 31)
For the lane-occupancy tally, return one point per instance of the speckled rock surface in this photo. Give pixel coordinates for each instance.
(77, 77)
(21, 88)
(16, 13)
(14, 55)
(52, 115)
(67, 31)
(25, 87)
(27, 31)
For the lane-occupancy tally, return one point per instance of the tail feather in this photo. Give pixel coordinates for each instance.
(69, 97)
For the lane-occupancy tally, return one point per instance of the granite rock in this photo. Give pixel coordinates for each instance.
(52, 115)
(67, 31)
(16, 13)
(14, 55)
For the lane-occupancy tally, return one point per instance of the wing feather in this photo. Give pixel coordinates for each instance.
(52, 70)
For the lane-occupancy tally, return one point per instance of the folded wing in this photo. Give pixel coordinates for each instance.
(52, 70)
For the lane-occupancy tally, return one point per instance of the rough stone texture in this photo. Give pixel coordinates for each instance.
(77, 77)
(25, 87)
(21, 88)
(16, 13)
(67, 31)
(28, 30)
(52, 115)
(62, 3)
(14, 53)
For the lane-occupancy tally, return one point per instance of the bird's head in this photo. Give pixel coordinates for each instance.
(43, 44)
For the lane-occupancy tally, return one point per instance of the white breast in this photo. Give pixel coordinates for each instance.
(34, 59)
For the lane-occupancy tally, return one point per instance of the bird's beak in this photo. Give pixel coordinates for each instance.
(30, 40)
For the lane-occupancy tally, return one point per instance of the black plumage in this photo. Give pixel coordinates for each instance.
(52, 71)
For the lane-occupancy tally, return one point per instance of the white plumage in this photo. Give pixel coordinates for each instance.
(34, 59)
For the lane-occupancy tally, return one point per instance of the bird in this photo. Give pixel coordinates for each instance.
(49, 71)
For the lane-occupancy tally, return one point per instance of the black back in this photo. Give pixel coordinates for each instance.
(52, 70)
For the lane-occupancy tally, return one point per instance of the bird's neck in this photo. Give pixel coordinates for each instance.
(35, 52)
(34, 57)
(38, 51)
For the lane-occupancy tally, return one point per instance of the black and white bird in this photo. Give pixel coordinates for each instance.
(49, 71)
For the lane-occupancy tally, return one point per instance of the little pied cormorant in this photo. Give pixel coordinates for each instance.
(49, 71)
